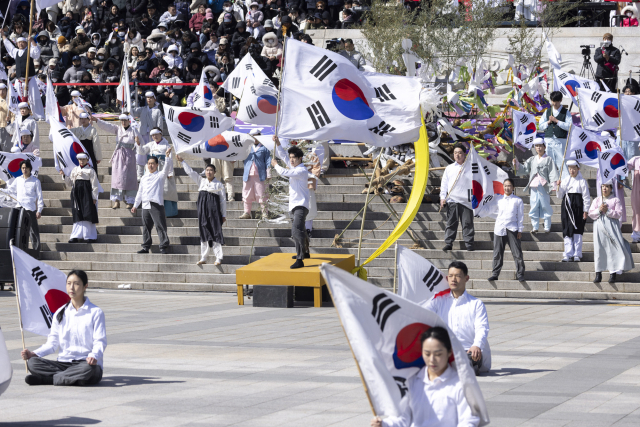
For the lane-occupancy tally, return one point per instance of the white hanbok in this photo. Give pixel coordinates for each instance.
(84, 229)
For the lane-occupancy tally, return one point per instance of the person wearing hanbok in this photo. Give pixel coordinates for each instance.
(150, 117)
(634, 165)
(24, 121)
(83, 181)
(254, 177)
(88, 136)
(212, 211)
(573, 192)
(73, 112)
(611, 251)
(26, 144)
(157, 148)
(124, 181)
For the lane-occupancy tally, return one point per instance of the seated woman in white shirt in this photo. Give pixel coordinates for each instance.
(78, 329)
(436, 397)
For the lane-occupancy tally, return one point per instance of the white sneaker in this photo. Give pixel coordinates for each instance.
(202, 261)
(217, 262)
(576, 259)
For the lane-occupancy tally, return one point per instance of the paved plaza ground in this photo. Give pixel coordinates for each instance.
(199, 359)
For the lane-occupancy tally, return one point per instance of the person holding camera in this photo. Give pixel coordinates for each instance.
(608, 58)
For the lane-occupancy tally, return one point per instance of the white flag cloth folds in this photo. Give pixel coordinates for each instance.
(612, 163)
(6, 371)
(630, 112)
(228, 145)
(189, 127)
(10, 165)
(43, 4)
(555, 59)
(204, 95)
(584, 146)
(598, 110)
(486, 182)
(52, 109)
(568, 84)
(524, 128)
(123, 92)
(13, 100)
(246, 68)
(323, 97)
(66, 147)
(42, 290)
(383, 330)
(259, 103)
(418, 279)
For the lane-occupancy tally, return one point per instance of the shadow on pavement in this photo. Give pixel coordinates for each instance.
(123, 381)
(513, 371)
(69, 421)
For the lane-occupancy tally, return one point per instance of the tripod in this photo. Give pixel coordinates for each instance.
(587, 69)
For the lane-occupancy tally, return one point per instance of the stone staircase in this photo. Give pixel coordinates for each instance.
(113, 260)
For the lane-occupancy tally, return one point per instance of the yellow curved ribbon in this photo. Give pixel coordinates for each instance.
(415, 199)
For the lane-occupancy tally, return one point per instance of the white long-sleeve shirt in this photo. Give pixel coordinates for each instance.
(14, 51)
(81, 334)
(298, 177)
(510, 215)
(565, 125)
(437, 403)
(576, 185)
(151, 187)
(448, 179)
(204, 184)
(84, 173)
(28, 192)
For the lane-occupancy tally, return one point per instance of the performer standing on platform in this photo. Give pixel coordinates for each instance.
(150, 194)
(555, 124)
(212, 211)
(254, 178)
(78, 329)
(88, 135)
(84, 199)
(574, 195)
(28, 192)
(298, 196)
(124, 184)
(150, 117)
(456, 211)
(19, 54)
(28, 122)
(156, 148)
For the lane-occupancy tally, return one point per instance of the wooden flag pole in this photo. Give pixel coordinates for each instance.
(15, 281)
(620, 115)
(29, 40)
(366, 203)
(278, 112)
(395, 270)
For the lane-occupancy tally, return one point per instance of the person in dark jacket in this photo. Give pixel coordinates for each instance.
(153, 13)
(91, 94)
(228, 26)
(112, 17)
(67, 26)
(144, 25)
(239, 38)
(193, 70)
(287, 28)
(196, 53)
(74, 73)
(135, 10)
(110, 74)
(114, 47)
(48, 48)
(608, 58)
(80, 43)
(144, 64)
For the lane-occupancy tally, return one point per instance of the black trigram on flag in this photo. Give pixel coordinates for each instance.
(432, 278)
(318, 115)
(183, 137)
(29, 156)
(46, 314)
(197, 149)
(61, 160)
(383, 307)
(2, 159)
(607, 144)
(487, 199)
(214, 122)
(196, 97)
(232, 155)
(323, 68)
(235, 140)
(253, 89)
(382, 128)
(524, 119)
(578, 153)
(235, 82)
(65, 133)
(582, 136)
(402, 385)
(384, 94)
(475, 168)
(249, 67)
(637, 129)
(170, 114)
(598, 119)
(606, 173)
(252, 113)
(562, 76)
(605, 155)
(637, 107)
(528, 140)
(38, 275)
(486, 170)
(586, 85)
(268, 82)
(595, 96)
(563, 90)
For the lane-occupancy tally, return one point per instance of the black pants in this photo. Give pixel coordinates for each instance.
(150, 217)
(34, 231)
(298, 232)
(78, 372)
(499, 243)
(456, 213)
(476, 365)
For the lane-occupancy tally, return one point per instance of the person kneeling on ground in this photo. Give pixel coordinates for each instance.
(79, 330)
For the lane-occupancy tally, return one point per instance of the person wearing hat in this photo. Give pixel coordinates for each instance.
(124, 183)
(48, 47)
(74, 73)
(254, 177)
(83, 181)
(28, 192)
(72, 112)
(233, 12)
(89, 59)
(573, 193)
(88, 136)
(542, 173)
(80, 43)
(173, 58)
(156, 147)
(6, 116)
(287, 27)
(150, 117)
(555, 124)
(19, 54)
(28, 123)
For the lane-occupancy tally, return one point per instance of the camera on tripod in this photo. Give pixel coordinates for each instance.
(586, 49)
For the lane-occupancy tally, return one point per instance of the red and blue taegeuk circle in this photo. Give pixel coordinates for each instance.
(408, 350)
(207, 93)
(477, 194)
(617, 161)
(350, 100)
(74, 150)
(56, 299)
(191, 122)
(14, 167)
(611, 107)
(591, 150)
(572, 86)
(217, 144)
(268, 104)
(531, 128)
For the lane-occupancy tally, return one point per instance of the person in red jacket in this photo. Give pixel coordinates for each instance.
(630, 14)
(196, 21)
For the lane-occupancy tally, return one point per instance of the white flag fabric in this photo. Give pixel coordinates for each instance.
(267, 141)
(555, 59)
(228, 145)
(568, 84)
(487, 182)
(612, 163)
(66, 147)
(10, 165)
(584, 146)
(123, 92)
(259, 103)
(598, 110)
(246, 68)
(384, 330)
(52, 109)
(13, 100)
(42, 290)
(204, 95)
(418, 279)
(43, 4)
(524, 128)
(6, 371)
(189, 127)
(630, 112)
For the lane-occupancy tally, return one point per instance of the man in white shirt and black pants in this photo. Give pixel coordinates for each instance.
(28, 192)
(298, 197)
(151, 195)
(456, 211)
(508, 228)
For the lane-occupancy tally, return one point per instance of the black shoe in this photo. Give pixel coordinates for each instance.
(297, 264)
(143, 251)
(307, 255)
(33, 380)
(91, 241)
(163, 251)
(612, 278)
(492, 278)
(447, 248)
(470, 249)
(520, 279)
(308, 234)
(598, 278)
(73, 240)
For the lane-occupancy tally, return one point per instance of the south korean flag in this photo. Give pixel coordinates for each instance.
(246, 69)
(584, 146)
(228, 145)
(189, 127)
(486, 184)
(418, 279)
(612, 163)
(259, 103)
(568, 84)
(524, 128)
(123, 91)
(630, 112)
(10, 165)
(204, 95)
(598, 110)
(66, 147)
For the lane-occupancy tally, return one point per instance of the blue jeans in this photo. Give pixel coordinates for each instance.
(555, 150)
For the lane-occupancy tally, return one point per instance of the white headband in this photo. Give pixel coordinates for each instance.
(155, 132)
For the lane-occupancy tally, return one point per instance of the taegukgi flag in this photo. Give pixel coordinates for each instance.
(123, 91)
(42, 290)
(568, 84)
(228, 145)
(246, 69)
(418, 279)
(487, 182)
(52, 109)
(384, 330)
(66, 147)
(584, 146)
(630, 116)
(189, 127)
(612, 163)
(204, 95)
(524, 128)
(10, 165)
(259, 103)
(598, 110)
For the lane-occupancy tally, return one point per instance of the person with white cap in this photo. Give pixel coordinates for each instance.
(634, 165)
(157, 147)
(25, 121)
(124, 183)
(83, 181)
(542, 172)
(172, 58)
(72, 112)
(88, 136)
(573, 193)
(28, 192)
(6, 116)
(254, 177)
(19, 54)
(25, 145)
(150, 117)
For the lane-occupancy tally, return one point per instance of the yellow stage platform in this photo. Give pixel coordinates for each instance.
(274, 270)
